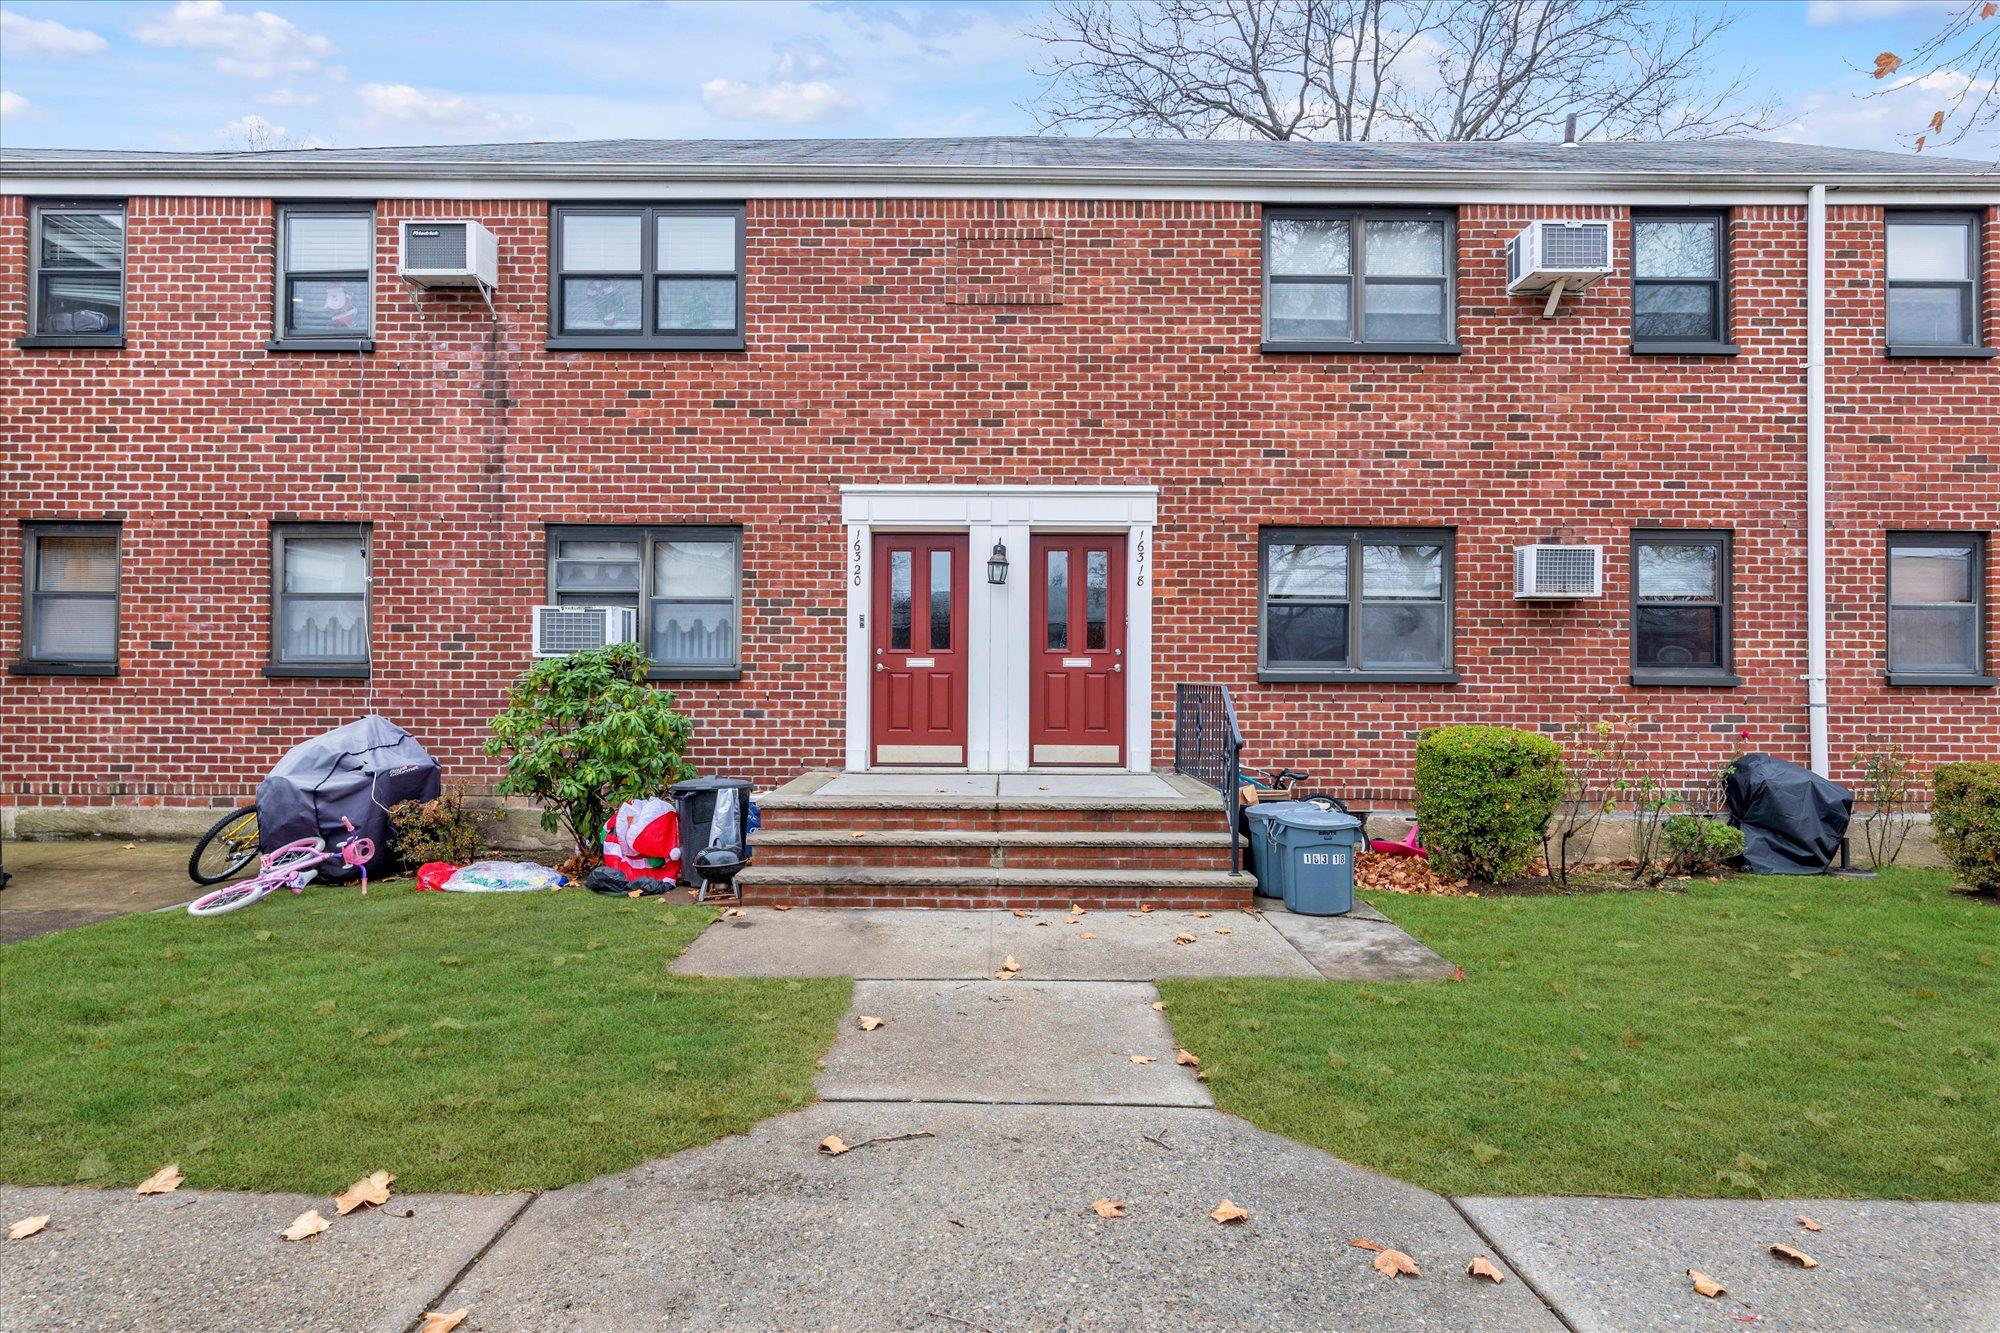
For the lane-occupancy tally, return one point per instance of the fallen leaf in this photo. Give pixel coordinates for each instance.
(1021, 912)
(443, 1321)
(1159, 1006)
(868, 1022)
(781, 907)
(1203, 916)
(635, 893)
(1071, 920)
(1373, 1247)
(1074, 910)
(832, 1145)
(1799, 1257)
(1008, 970)
(1887, 63)
(163, 1181)
(1088, 935)
(27, 1227)
(1704, 1285)
(1224, 930)
(1808, 1223)
(1481, 1266)
(1484, 1153)
(1227, 1212)
(1184, 1056)
(308, 1223)
(1394, 1263)
(1140, 1059)
(1042, 923)
(1184, 938)
(734, 911)
(1107, 1208)
(858, 833)
(1145, 907)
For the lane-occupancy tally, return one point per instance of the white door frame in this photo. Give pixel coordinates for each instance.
(996, 679)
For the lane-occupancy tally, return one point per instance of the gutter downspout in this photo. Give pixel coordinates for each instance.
(1816, 691)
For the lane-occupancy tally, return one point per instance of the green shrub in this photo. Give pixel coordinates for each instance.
(1697, 846)
(436, 830)
(1484, 797)
(1965, 811)
(585, 733)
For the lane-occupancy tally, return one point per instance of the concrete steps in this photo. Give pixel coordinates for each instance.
(931, 886)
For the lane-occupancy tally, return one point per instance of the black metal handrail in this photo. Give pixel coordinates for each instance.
(1208, 747)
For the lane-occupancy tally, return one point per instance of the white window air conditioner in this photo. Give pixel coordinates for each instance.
(1558, 573)
(448, 252)
(1556, 257)
(562, 630)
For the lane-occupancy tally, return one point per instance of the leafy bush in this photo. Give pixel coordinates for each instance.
(1965, 811)
(1697, 846)
(585, 733)
(435, 830)
(1484, 797)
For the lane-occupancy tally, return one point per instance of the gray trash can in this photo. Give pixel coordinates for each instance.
(1309, 854)
(1260, 848)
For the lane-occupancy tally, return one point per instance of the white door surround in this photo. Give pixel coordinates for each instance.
(998, 630)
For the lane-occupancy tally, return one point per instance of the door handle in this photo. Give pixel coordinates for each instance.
(878, 666)
(1117, 666)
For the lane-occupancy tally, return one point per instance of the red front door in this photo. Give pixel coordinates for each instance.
(919, 656)
(1077, 652)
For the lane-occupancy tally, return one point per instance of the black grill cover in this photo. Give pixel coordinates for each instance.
(1793, 820)
(357, 771)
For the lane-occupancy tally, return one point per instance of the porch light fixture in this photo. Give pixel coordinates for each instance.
(996, 566)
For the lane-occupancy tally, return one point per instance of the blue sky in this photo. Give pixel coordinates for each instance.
(206, 73)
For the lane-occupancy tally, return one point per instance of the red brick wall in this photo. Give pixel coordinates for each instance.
(459, 442)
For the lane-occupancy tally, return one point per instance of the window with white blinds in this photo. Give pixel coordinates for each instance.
(326, 266)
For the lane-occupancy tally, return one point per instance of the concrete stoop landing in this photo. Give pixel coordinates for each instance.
(994, 840)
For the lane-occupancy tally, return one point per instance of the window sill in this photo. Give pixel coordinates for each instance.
(1684, 349)
(1710, 679)
(1290, 677)
(320, 345)
(63, 669)
(725, 343)
(325, 670)
(1364, 349)
(667, 675)
(1940, 678)
(1972, 353)
(35, 340)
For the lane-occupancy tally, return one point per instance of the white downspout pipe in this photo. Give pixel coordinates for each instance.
(1816, 692)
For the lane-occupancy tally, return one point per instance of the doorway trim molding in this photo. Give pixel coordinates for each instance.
(997, 678)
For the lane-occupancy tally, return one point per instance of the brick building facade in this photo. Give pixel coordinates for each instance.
(1074, 335)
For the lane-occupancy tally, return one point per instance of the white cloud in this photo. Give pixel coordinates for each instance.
(785, 102)
(1832, 13)
(13, 106)
(397, 108)
(25, 38)
(257, 45)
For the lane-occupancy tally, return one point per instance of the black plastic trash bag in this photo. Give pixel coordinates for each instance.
(357, 772)
(1793, 820)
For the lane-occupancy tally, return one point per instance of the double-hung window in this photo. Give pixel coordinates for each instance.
(70, 599)
(76, 279)
(1680, 263)
(319, 599)
(1933, 284)
(666, 277)
(1359, 280)
(1356, 604)
(685, 583)
(326, 276)
(1680, 608)
(1937, 609)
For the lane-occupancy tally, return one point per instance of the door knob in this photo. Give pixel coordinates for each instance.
(878, 666)
(1117, 666)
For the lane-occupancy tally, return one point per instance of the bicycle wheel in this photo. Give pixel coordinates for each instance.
(230, 898)
(228, 846)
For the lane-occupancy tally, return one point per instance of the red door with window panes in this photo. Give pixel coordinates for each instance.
(1077, 654)
(918, 660)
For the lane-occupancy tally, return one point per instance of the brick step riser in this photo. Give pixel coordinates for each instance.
(891, 820)
(1124, 900)
(996, 858)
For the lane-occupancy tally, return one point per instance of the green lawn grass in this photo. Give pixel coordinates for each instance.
(1773, 1036)
(496, 1042)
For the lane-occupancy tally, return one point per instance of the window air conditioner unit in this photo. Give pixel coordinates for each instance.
(1558, 256)
(448, 253)
(562, 630)
(1552, 573)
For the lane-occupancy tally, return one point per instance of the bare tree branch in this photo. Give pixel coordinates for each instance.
(1957, 71)
(1399, 69)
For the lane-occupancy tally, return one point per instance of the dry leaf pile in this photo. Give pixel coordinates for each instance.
(1405, 874)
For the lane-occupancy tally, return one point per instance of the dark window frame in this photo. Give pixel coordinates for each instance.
(1971, 299)
(646, 337)
(648, 535)
(1356, 538)
(32, 533)
(1723, 673)
(283, 339)
(1357, 280)
(37, 209)
(276, 663)
(1722, 344)
(1981, 676)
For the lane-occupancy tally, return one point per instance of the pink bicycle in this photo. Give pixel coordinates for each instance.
(292, 866)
